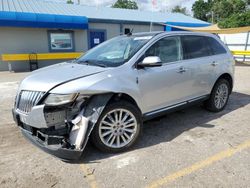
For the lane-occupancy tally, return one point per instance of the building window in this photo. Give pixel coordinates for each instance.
(61, 41)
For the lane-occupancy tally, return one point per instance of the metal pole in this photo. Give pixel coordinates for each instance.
(212, 17)
(151, 24)
(9, 66)
(150, 27)
(246, 44)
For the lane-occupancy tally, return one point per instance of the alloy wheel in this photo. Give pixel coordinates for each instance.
(118, 128)
(221, 96)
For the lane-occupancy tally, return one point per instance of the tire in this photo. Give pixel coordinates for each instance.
(108, 130)
(219, 97)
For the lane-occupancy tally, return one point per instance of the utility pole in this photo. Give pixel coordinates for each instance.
(246, 45)
(153, 5)
(97, 4)
(212, 17)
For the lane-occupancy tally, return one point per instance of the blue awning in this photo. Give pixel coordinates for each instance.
(35, 20)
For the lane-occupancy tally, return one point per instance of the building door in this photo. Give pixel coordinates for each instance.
(96, 37)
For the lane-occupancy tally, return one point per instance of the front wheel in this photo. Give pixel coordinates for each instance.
(117, 128)
(219, 96)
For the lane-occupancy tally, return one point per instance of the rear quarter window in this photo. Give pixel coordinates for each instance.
(215, 46)
(195, 47)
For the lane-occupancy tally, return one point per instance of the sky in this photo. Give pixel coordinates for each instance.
(161, 5)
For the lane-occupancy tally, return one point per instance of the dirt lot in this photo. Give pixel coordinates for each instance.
(189, 148)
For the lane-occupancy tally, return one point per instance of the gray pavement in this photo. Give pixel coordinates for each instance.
(188, 148)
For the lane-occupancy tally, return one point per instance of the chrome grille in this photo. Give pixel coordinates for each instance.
(28, 99)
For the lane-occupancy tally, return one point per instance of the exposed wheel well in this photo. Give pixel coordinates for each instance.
(227, 77)
(125, 97)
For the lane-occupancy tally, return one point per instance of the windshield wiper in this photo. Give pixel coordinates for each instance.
(81, 62)
(91, 63)
(98, 64)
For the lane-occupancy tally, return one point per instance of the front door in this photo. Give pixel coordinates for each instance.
(96, 37)
(169, 84)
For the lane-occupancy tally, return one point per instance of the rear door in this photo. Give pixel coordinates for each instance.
(197, 59)
(219, 61)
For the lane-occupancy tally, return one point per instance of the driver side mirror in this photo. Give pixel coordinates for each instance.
(151, 61)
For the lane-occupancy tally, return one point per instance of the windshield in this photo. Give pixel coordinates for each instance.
(114, 52)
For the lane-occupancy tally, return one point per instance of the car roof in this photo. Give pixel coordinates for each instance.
(171, 33)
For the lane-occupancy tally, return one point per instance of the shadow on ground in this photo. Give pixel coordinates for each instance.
(170, 126)
(242, 64)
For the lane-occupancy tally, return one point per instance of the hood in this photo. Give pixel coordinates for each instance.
(47, 78)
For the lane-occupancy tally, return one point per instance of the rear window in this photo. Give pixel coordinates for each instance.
(195, 47)
(215, 46)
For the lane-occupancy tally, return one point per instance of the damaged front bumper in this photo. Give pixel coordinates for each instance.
(63, 135)
(55, 144)
(56, 150)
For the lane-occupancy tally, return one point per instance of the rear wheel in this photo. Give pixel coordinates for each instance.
(219, 96)
(118, 127)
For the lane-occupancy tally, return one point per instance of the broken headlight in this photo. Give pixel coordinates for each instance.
(60, 99)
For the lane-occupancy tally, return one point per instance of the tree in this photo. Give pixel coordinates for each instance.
(236, 20)
(201, 10)
(223, 9)
(125, 4)
(179, 9)
(70, 2)
(227, 13)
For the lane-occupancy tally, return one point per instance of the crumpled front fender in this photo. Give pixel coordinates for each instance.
(86, 120)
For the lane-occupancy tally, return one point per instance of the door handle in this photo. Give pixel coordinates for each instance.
(181, 70)
(214, 63)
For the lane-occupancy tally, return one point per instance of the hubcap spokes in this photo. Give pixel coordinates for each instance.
(221, 96)
(117, 128)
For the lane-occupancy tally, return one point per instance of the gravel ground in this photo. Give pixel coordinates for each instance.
(188, 148)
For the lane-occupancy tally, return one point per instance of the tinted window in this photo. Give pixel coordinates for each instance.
(168, 49)
(195, 47)
(215, 46)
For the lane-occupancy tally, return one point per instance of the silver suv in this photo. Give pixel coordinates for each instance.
(106, 94)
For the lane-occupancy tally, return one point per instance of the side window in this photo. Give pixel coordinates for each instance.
(195, 47)
(168, 49)
(215, 46)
